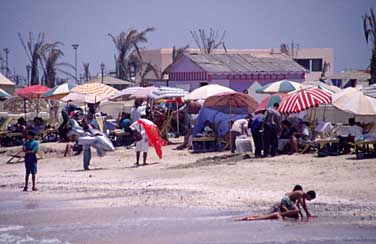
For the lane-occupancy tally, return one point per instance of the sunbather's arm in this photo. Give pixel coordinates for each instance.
(304, 205)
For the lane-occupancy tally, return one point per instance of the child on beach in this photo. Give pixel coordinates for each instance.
(30, 148)
(289, 207)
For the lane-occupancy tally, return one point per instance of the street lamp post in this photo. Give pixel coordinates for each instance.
(6, 51)
(75, 46)
(102, 69)
(28, 68)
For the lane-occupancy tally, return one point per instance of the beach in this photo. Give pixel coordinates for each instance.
(185, 198)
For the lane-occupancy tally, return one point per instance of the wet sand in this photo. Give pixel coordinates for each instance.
(185, 198)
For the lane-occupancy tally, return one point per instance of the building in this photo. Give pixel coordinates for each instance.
(312, 59)
(237, 71)
(351, 78)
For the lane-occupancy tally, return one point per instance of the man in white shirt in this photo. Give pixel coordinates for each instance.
(239, 127)
(135, 112)
(143, 144)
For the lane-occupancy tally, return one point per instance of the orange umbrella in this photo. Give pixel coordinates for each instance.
(233, 100)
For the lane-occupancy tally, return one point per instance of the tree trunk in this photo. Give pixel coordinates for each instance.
(34, 79)
(373, 65)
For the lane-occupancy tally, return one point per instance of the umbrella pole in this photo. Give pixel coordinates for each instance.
(230, 129)
(177, 118)
(25, 107)
(37, 107)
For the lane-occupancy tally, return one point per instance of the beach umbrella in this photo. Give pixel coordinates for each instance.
(354, 101)
(282, 86)
(32, 92)
(4, 94)
(167, 92)
(304, 99)
(270, 100)
(204, 92)
(232, 100)
(59, 91)
(95, 92)
(370, 90)
(143, 93)
(321, 85)
(124, 94)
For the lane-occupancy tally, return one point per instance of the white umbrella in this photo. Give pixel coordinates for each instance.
(207, 91)
(165, 92)
(354, 101)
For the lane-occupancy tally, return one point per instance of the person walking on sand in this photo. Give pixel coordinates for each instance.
(30, 148)
(142, 145)
(288, 208)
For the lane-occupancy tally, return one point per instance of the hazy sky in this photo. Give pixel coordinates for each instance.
(249, 24)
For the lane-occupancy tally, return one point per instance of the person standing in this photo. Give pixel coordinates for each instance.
(30, 148)
(143, 144)
(271, 126)
(86, 147)
(256, 129)
(135, 112)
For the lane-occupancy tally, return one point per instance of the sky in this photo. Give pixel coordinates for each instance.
(333, 24)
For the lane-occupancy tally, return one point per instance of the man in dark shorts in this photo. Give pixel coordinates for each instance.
(30, 148)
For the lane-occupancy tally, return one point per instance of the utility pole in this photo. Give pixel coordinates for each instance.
(6, 51)
(75, 46)
(102, 69)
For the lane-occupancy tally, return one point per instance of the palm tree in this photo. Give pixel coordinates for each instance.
(148, 67)
(178, 52)
(208, 42)
(35, 51)
(369, 28)
(127, 43)
(325, 69)
(51, 66)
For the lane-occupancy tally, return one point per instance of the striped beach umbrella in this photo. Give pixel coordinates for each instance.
(270, 101)
(4, 94)
(94, 91)
(167, 92)
(282, 86)
(59, 91)
(304, 99)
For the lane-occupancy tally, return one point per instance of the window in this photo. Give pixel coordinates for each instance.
(316, 65)
(304, 62)
(312, 65)
(203, 84)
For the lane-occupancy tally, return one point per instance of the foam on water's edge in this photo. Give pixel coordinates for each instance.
(7, 238)
(10, 228)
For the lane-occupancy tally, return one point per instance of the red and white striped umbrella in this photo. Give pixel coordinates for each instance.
(303, 100)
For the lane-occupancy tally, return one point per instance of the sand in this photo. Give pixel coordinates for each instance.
(344, 185)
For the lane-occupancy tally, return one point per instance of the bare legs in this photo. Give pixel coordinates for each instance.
(276, 215)
(145, 155)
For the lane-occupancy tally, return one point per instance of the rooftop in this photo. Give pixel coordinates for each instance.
(243, 63)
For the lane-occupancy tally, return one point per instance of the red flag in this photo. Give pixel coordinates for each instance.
(153, 134)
